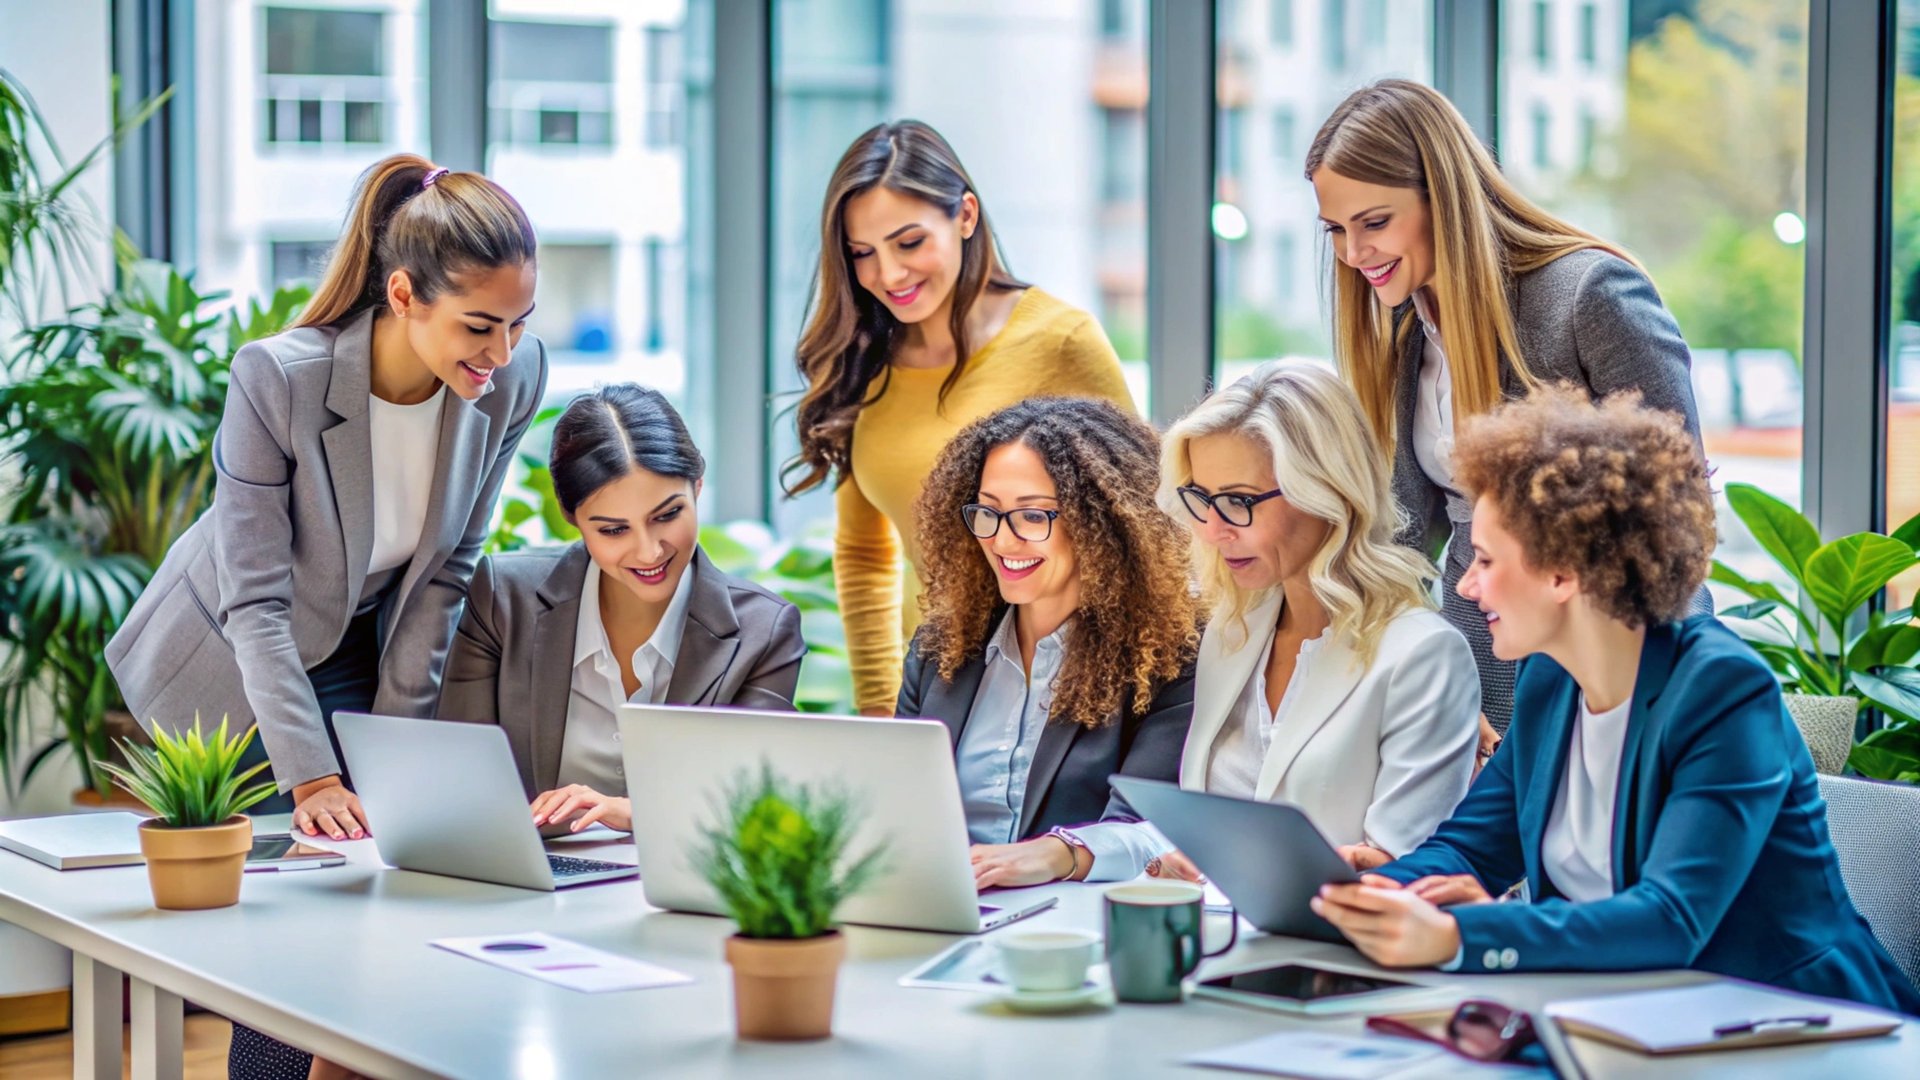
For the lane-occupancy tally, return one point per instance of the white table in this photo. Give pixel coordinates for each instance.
(337, 961)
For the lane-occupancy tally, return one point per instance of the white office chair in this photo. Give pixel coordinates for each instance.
(1876, 829)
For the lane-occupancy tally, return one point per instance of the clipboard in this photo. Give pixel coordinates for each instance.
(1721, 1015)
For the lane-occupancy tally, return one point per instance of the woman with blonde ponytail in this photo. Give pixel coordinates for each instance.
(1451, 293)
(318, 582)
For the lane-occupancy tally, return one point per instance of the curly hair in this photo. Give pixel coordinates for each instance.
(1137, 625)
(1612, 493)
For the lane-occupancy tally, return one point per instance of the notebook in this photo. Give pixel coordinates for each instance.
(76, 841)
(1705, 1017)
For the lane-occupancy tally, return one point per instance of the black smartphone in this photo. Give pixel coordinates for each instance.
(1298, 988)
(280, 851)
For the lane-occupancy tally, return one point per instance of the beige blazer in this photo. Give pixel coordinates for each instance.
(1376, 753)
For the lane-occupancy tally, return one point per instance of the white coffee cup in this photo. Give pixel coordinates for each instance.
(1041, 961)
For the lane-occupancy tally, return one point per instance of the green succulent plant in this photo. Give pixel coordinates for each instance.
(188, 780)
(777, 856)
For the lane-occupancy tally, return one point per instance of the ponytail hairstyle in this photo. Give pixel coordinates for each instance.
(1401, 134)
(604, 435)
(850, 336)
(433, 223)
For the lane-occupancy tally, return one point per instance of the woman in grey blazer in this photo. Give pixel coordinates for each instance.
(316, 582)
(554, 642)
(1451, 293)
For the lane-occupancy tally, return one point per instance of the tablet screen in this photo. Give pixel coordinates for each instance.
(1295, 983)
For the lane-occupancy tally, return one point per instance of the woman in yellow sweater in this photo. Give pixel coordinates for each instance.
(917, 329)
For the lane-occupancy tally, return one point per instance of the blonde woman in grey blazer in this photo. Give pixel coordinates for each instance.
(554, 642)
(318, 581)
(1452, 293)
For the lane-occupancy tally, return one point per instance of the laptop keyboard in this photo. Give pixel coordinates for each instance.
(564, 866)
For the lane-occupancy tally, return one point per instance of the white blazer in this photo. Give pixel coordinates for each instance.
(1376, 753)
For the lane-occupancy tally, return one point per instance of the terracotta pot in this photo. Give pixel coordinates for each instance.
(783, 989)
(193, 869)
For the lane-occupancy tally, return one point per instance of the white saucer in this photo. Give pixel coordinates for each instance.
(1043, 1001)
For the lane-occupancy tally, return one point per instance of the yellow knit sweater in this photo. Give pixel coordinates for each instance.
(1047, 347)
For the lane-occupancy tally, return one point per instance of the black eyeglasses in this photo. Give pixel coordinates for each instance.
(1029, 524)
(1233, 507)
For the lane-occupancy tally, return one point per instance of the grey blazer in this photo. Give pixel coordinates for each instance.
(512, 661)
(262, 587)
(1590, 318)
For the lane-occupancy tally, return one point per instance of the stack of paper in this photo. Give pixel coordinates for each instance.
(76, 841)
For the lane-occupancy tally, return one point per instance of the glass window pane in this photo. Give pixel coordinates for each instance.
(1684, 140)
(572, 88)
(1271, 99)
(296, 103)
(1903, 374)
(1045, 103)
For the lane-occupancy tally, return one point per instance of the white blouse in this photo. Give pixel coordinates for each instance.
(590, 750)
(1433, 407)
(1240, 749)
(406, 451)
(1577, 851)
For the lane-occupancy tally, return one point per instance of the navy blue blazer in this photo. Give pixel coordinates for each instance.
(1721, 857)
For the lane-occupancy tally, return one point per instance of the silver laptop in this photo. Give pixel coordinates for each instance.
(900, 773)
(444, 798)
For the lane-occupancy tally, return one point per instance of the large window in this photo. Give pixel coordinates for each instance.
(552, 83)
(325, 76)
(1043, 101)
(1903, 375)
(1270, 264)
(292, 102)
(1682, 137)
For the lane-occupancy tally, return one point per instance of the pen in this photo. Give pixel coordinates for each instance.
(1750, 1027)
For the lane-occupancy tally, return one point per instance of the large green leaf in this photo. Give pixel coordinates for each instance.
(1896, 690)
(1784, 532)
(1844, 574)
(1759, 590)
(1909, 533)
(1885, 645)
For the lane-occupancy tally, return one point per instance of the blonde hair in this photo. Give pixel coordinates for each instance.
(433, 223)
(1401, 134)
(1325, 461)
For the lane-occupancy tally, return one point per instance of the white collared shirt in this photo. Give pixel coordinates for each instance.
(1577, 851)
(1433, 407)
(1004, 724)
(1240, 748)
(590, 751)
(405, 448)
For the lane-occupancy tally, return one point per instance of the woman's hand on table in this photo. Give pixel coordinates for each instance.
(1031, 862)
(1173, 866)
(583, 806)
(326, 806)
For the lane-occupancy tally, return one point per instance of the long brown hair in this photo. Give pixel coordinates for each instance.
(1402, 134)
(433, 223)
(850, 335)
(1137, 625)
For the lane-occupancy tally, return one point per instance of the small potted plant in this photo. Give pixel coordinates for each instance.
(196, 844)
(776, 860)
(1832, 654)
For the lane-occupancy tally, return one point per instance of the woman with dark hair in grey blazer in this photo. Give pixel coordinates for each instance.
(317, 583)
(554, 642)
(1451, 293)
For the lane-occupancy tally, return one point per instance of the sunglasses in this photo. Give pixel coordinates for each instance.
(1234, 508)
(1477, 1030)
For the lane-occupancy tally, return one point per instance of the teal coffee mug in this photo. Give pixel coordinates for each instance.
(1153, 938)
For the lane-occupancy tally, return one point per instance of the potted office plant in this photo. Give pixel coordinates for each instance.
(1831, 663)
(196, 844)
(777, 859)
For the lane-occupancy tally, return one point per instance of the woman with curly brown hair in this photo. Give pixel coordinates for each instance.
(1060, 629)
(917, 327)
(1652, 790)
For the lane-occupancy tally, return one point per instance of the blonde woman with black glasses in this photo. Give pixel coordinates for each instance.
(1325, 679)
(1452, 293)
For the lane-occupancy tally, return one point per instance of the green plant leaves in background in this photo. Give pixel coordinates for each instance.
(1784, 532)
(1846, 573)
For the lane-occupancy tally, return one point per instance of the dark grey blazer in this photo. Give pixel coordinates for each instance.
(1589, 318)
(1069, 780)
(512, 661)
(261, 588)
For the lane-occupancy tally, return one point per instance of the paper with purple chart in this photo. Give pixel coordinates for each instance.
(563, 963)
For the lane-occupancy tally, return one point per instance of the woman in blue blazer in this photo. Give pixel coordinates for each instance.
(1652, 790)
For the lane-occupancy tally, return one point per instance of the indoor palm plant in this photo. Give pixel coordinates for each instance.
(108, 416)
(777, 859)
(1823, 646)
(197, 841)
